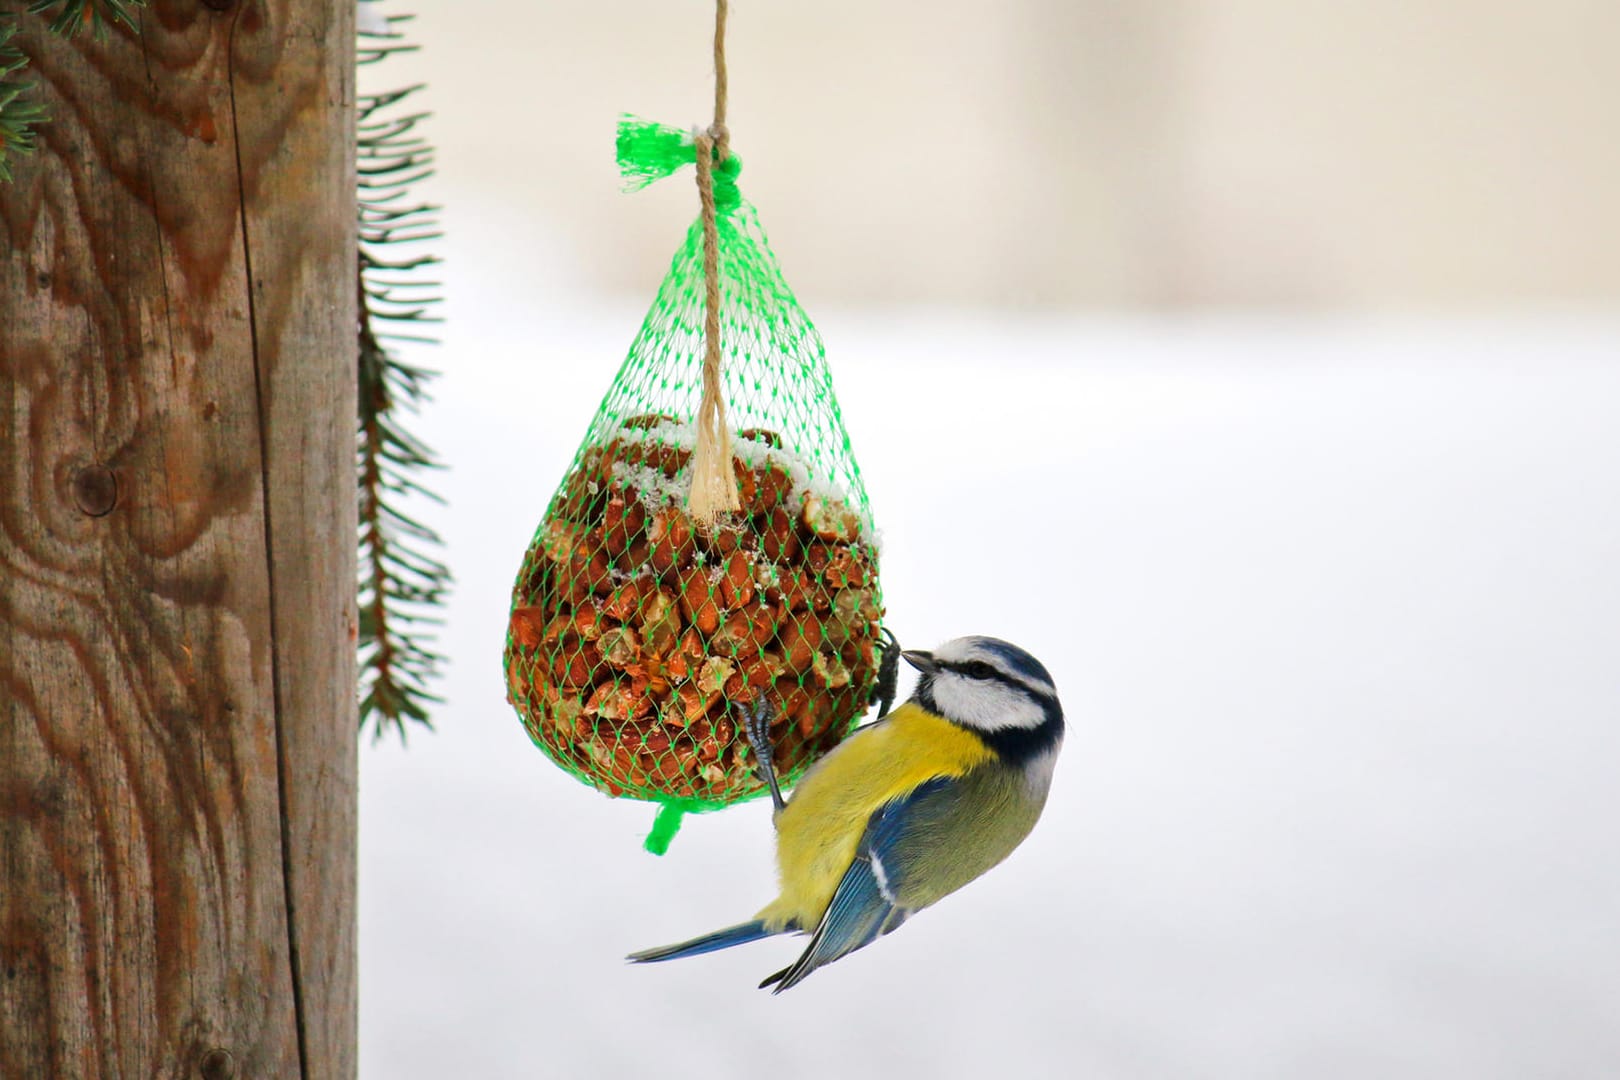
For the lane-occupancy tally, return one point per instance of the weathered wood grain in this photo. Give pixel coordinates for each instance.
(177, 717)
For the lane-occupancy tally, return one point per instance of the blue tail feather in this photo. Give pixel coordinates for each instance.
(741, 934)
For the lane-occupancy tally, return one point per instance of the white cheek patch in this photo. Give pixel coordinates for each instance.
(1038, 773)
(984, 704)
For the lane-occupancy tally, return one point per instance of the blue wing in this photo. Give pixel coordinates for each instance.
(866, 904)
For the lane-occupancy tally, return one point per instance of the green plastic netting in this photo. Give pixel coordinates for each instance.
(636, 634)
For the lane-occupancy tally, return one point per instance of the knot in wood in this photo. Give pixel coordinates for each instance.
(95, 490)
(217, 1064)
(218, 5)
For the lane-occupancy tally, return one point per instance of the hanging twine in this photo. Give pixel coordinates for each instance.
(714, 487)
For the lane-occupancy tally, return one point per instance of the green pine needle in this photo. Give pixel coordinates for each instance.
(76, 14)
(18, 114)
(402, 586)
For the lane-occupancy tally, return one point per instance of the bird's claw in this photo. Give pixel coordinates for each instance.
(888, 677)
(756, 723)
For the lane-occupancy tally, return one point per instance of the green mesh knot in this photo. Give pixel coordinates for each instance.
(637, 640)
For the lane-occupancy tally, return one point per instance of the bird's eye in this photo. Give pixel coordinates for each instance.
(977, 669)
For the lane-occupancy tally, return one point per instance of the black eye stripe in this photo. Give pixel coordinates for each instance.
(978, 669)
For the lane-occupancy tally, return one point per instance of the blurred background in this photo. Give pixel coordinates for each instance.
(1391, 154)
(1255, 364)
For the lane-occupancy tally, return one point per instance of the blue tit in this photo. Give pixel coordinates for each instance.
(908, 809)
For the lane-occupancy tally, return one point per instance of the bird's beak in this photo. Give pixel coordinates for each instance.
(920, 659)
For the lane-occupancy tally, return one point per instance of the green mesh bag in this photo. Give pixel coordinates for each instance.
(637, 631)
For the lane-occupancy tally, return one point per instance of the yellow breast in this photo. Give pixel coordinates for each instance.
(818, 833)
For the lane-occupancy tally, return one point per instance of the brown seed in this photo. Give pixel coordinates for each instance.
(762, 670)
(739, 689)
(673, 667)
(669, 535)
(737, 581)
(829, 519)
(794, 699)
(793, 588)
(689, 708)
(773, 485)
(624, 602)
(816, 558)
(692, 648)
(716, 670)
(622, 521)
(572, 663)
(698, 601)
(586, 569)
(660, 621)
(829, 671)
(564, 712)
(725, 731)
(621, 647)
(724, 537)
(684, 753)
(619, 701)
(858, 654)
(854, 613)
(527, 625)
(747, 485)
(581, 491)
(560, 539)
(747, 630)
(777, 538)
(820, 597)
(846, 567)
(589, 620)
(668, 459)
(801, 636)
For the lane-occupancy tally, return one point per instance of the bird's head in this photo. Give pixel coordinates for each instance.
(990, 686)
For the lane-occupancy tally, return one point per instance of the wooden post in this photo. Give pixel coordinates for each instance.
(177, 546)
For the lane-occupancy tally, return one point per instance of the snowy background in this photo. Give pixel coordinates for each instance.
(1333, 603)
(1335, 613)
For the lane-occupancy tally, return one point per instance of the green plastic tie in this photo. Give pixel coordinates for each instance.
(668, 822)
(648, 152)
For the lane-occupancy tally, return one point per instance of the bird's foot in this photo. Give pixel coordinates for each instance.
(756, 723)
(888, 674)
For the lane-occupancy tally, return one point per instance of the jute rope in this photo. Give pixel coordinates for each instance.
(714, 487)
(722, 137)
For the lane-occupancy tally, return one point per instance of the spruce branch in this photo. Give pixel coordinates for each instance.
(97, 14)
(402, 587)
(19, 114)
